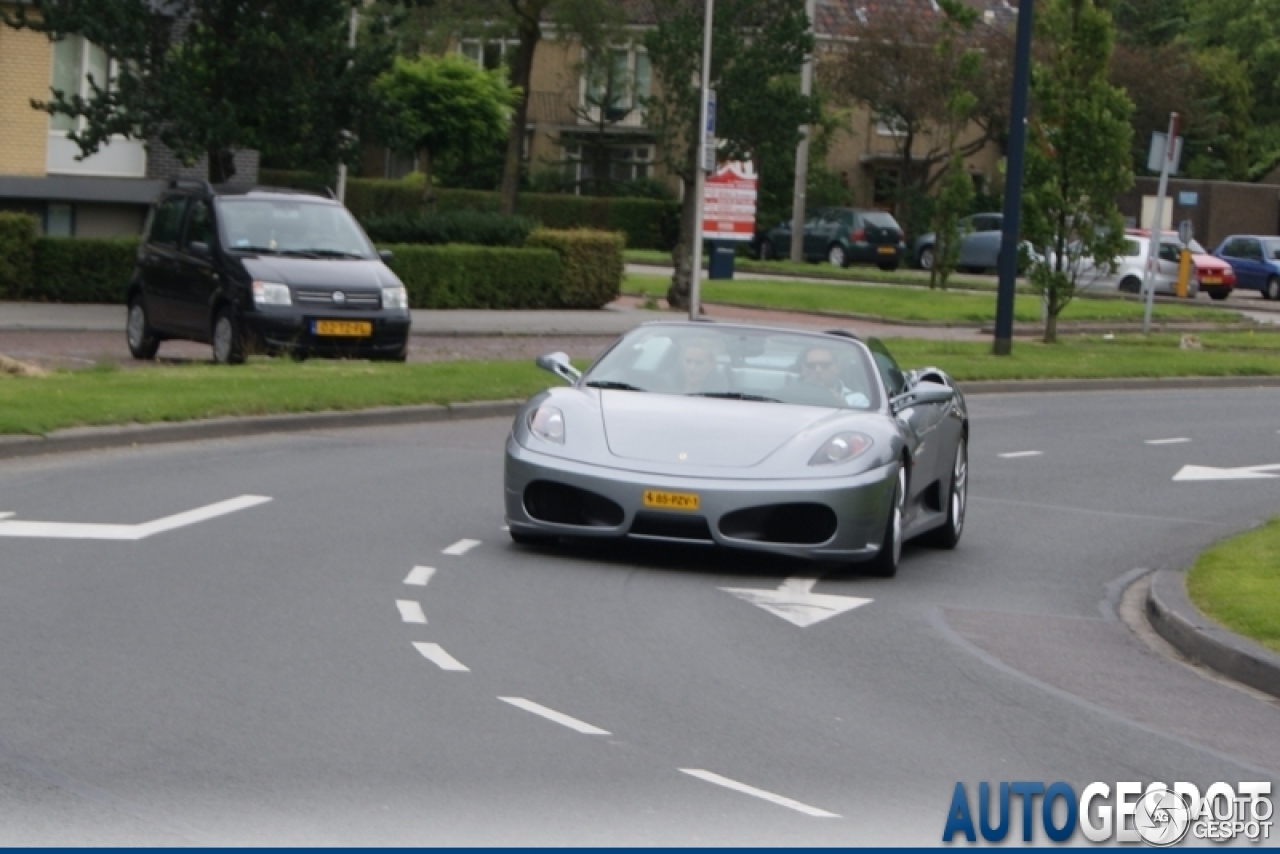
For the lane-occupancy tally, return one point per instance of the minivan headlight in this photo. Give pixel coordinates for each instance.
(396, 297)
(271, 293)
(547, 423)
(840, 448)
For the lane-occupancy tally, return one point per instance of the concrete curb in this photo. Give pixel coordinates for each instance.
(127, 435)
(1197, 637)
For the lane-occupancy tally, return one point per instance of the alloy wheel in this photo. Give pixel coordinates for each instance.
(960, 490)
(836, 255)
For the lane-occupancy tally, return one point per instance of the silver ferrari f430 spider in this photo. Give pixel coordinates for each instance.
(807, 444)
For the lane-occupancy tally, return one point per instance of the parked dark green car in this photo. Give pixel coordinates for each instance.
(840, 236)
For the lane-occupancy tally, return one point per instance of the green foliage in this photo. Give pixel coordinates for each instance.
(17, 254)
(206, 77)
(461, 226)
(954, 201)
(79, 269)
(592, 265)
(478, 276)
(1077, 153)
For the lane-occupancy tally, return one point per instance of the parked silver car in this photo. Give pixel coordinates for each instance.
(1208, 273)
(979, 244)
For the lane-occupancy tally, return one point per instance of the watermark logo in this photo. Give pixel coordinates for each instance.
(1162, 818)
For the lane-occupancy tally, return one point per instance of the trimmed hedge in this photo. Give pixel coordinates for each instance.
(77, 269)
(17, 254)
(473, 227)
(478, 276)
(647, 223)
(592, 264)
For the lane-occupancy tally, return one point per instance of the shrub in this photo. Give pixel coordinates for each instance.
(17, 254)
(478, 276)
(465, 226)
(592, 265)
(71, 269)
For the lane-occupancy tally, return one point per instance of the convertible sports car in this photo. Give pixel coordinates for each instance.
(813, 445)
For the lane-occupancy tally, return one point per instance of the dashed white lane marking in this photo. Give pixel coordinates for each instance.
(461, 547)
(758, 793)
(436, 655)
(411, 611)
(553, 715)
(419, 575)
(1015, 454)
(1178, 441)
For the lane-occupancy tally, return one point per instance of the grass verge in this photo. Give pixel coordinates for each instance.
(914, 306)
(1237, 583)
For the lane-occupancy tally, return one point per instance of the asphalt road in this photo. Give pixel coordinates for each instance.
(253, 678)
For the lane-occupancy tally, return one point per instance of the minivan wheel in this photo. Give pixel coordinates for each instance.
(925, 258)
(1273, 288)
(1131, 285)
(228, 339)
(836, 255)
(142, 339)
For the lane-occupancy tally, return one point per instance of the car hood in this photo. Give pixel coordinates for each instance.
(1209, 262)
(322, 272)
(700, 431)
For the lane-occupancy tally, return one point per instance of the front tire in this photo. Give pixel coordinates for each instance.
(948, 535)
(837, 256)
(228, 339)
(1273, 288)
(925, 258)
(885, 563)
(1218, 293)
(142, 339)
(1131, 285)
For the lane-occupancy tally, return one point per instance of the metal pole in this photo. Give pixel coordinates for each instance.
(802, 152)
(1157, 225)
(1009, 238)
(342, 164)
(696, 276)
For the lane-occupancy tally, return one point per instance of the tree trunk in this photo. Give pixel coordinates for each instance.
(222, 164)
(530, 32)
(1051, 321)
(678, 294)
(428, 185)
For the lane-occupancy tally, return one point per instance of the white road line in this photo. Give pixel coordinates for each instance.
(553, 715)
(461, 547)
(1178, 441)
(1015, 454)
(505, 528)
(77, 531)
(5, 515)
(411, 611)
(437, 656)
(419, 576)
(758, 793)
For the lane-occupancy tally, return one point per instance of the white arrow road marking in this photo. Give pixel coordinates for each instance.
(411, 611)
(461, 547)
(1178, 441)
(553, 715)
(5, 515)
(711, 777)
(419, 576)
(1211, 473)
(1013, 455)
(795, 601)
(77, 531)
(436, 655)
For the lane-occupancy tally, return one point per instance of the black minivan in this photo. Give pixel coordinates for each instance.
(263, 270)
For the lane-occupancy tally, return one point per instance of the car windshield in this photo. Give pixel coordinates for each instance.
(733, 363)
(291, 227)
(880, 219)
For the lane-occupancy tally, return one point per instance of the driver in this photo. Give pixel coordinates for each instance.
(821, 368)
(698, 369)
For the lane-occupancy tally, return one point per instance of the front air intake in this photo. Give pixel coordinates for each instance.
(790, 524)
(562, 504)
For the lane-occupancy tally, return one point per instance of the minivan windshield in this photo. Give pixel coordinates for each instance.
(291, 227)
(731, 363)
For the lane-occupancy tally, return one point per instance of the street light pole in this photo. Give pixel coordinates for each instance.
(1009, 239)
(342, 164)
(802, 152)
(701, 175)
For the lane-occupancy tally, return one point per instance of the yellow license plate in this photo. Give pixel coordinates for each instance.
(1211, 280)
(344, 328)
(886, 250)
(670, 500)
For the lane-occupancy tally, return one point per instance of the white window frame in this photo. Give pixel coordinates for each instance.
(506, 49)
(634, 116)
(637, 167)
(119, 157)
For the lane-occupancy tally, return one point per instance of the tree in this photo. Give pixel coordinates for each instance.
(207, 77)
(757, 48)
(438, 105)
(1077, 160)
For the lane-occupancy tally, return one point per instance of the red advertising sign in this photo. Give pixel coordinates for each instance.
(729, 202)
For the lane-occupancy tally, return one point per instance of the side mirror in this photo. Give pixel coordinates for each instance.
(386, 255)
(921, 393)
(199, 248)
(558, 364)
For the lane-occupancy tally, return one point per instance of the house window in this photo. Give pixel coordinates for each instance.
(489, 53)
(617, 86)
(59, 220)
(890, 126)
(75, 61)
(626, 162)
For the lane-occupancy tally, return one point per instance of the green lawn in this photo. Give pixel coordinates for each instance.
(912, 305)
(1237, 583)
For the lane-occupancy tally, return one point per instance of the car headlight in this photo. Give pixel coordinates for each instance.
(271, 293)
(547, 423)
(840, 448)
(396, 297)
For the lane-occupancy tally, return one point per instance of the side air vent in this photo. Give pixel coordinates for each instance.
(792, 524)
(562, 504)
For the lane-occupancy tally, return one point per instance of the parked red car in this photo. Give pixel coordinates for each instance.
(1215, 276)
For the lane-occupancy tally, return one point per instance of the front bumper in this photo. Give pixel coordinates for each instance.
(292, 333)
(860, 503)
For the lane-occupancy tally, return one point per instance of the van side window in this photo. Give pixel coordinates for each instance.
(199, 225)
(167, 220)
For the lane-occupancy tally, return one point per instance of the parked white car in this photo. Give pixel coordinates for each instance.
(1208, 273)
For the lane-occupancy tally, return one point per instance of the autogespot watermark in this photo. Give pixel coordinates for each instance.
(1157, 814)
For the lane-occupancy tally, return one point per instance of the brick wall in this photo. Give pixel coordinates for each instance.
(25, 67)
(162, 163)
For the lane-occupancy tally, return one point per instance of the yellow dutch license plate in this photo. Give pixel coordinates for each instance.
(886, 250)
(1211, 280)
(343, 328)
(670, 500)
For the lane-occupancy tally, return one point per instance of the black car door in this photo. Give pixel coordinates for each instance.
(196, 276)
(159, 266)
